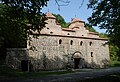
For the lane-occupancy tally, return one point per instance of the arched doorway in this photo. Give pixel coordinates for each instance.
(77, 57)
(76, 63)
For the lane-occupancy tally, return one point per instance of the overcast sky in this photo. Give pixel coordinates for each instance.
(70, 11)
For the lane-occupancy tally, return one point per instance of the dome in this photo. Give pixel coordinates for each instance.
(49, 15)
(76, 20)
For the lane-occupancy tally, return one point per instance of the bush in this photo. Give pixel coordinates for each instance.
(114, 63)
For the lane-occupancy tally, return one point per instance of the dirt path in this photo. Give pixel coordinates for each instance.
(84, 74)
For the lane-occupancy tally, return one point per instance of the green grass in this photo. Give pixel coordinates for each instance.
(5, 71)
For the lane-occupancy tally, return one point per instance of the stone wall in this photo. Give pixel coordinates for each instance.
(59, 52)
(15, 56)
(50, 54)
(58, 48)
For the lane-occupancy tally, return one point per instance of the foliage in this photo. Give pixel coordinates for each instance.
(11, 33)
(103, 35)
(114, 63)
(106, 14)
(91, 29)
(113, 52)
(64, 24)
(27, 10)
(17, 19)
(61, 20)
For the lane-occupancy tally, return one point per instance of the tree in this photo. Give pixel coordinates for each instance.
(88, 26)
(12, 33)
(15, 16)
(64, 24)
(106, 14)
(61, 20)
(29, 10)
(19, 18)
(103, 35)
(113, 52)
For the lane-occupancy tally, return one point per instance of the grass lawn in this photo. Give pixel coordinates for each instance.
(5, 71)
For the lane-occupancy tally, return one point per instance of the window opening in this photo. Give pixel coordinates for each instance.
(71, 42)
(51, 32)
(60, 41)
(91, 54)
(68, 33)
(90, 43)
(81, 43)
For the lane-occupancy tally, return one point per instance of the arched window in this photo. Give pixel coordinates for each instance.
(71, 42)
(90, 43)
(60, 41)
(81, 43)
(91, 54)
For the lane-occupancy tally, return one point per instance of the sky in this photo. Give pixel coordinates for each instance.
(70, 11)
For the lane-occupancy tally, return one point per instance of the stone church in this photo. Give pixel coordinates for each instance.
(57, 48)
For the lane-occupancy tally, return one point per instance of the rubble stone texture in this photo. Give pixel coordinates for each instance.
(58, 48)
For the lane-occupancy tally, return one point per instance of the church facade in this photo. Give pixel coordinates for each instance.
(57, 48)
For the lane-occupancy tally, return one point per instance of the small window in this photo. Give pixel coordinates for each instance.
(68, 33)
(71, 42)
(90, 43)
(91, 54)
(82, 35)
(47, 28)
(60, 41)
(81, 43)
(51, 32)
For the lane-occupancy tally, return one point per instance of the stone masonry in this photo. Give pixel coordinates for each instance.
(57, 48)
